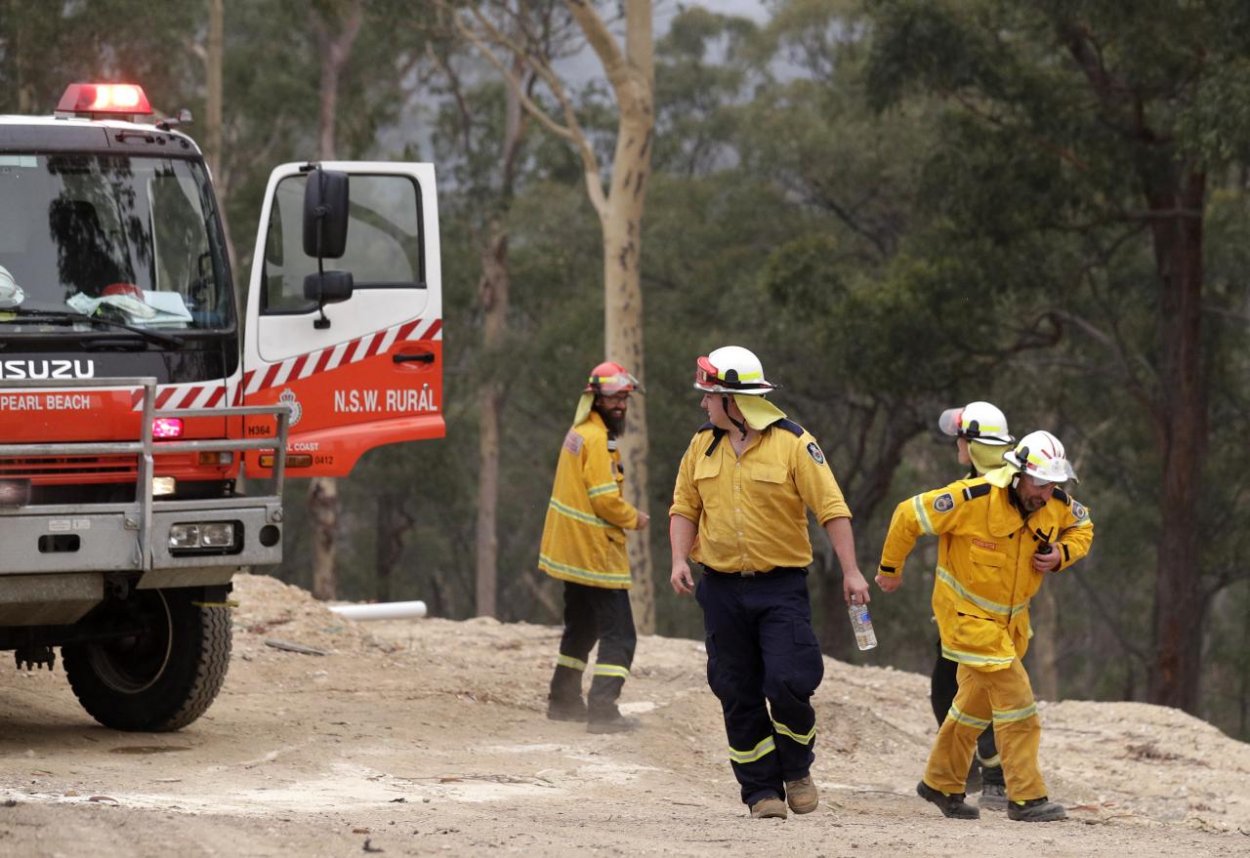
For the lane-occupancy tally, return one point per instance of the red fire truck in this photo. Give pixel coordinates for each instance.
(136, 394)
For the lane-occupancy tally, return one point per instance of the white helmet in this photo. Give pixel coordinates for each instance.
(731, 369)
(1040, 455)
(976, 421)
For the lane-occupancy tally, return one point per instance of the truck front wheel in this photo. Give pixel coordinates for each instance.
(164, 674)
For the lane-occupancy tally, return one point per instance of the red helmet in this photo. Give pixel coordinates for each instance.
(610, 378)
(129, 290)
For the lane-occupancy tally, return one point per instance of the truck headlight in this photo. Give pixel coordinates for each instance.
(217, 534)
(184, 536)
(14, 492)
(204, 537)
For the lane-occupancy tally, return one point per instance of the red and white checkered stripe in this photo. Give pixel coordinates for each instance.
(200, 395)
(204, 395)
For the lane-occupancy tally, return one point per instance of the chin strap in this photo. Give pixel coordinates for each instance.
(1016, 500)
(738, 424)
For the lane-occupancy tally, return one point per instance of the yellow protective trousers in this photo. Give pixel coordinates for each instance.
(1003, 698)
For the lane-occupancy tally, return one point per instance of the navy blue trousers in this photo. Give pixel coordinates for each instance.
(764, 664)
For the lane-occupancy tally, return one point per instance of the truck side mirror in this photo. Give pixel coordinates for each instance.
(325, 214)
(328, 287)
(325, 237)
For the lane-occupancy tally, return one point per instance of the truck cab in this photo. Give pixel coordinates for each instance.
(137, 390)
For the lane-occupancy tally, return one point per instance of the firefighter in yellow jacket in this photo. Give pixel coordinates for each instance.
(739, 518)
(583, 545)
(998, 536)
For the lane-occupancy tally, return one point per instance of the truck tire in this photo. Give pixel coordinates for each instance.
(162, 678)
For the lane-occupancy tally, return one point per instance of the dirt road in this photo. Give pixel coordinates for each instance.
(428, 738)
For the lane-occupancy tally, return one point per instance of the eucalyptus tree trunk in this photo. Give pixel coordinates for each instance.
(632, 76)
(1175, 192)
(323, 516)
(493, 293)
(493, 299)
(393, 524)
(1181, 427)
(335, 38)
(214, 60)
(631, 73)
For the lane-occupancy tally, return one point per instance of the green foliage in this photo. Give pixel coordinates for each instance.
(1061, 122)
(44, 47)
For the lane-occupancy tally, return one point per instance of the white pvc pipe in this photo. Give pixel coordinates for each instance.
(381, 611)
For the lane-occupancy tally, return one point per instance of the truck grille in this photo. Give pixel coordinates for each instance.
(53, 466)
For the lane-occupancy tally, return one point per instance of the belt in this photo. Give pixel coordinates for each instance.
(751, 573)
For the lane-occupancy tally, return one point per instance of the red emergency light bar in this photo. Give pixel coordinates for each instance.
(104, 99)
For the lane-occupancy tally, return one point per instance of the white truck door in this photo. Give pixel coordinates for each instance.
(364, 371)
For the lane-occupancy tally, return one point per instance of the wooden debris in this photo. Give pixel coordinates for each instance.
(294, 647)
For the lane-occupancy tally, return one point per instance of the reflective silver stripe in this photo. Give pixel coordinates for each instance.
(1012, 715)
(804, 739)
(568, 661)
(604, 489)
(611, 670)
(765, 747)
(545, 562)
(1006, 611)
(975, 658)
(995, 761)
(922, 517)
(960, 717)
(577, 515)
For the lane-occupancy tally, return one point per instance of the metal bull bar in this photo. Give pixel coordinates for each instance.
(120, 536)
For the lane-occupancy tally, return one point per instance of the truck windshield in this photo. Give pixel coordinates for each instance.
(124, 238)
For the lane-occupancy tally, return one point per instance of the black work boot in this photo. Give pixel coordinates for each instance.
(566, 710)
(610, 722)
(952, 806)
(1036, 810)
(564, 698)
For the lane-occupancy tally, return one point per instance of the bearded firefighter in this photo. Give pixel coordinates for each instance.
(583, 545)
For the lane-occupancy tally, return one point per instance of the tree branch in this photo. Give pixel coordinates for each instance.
(598, 37)
(571, 131)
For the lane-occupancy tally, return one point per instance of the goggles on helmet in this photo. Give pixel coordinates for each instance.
(705, 373)
(978, 421)
(612, 383)
(713, 380)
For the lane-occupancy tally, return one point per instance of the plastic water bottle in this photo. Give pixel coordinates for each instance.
(861, 624)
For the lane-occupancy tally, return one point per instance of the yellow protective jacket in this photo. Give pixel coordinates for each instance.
(584, 535)
(751, 510)
(984, 573)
